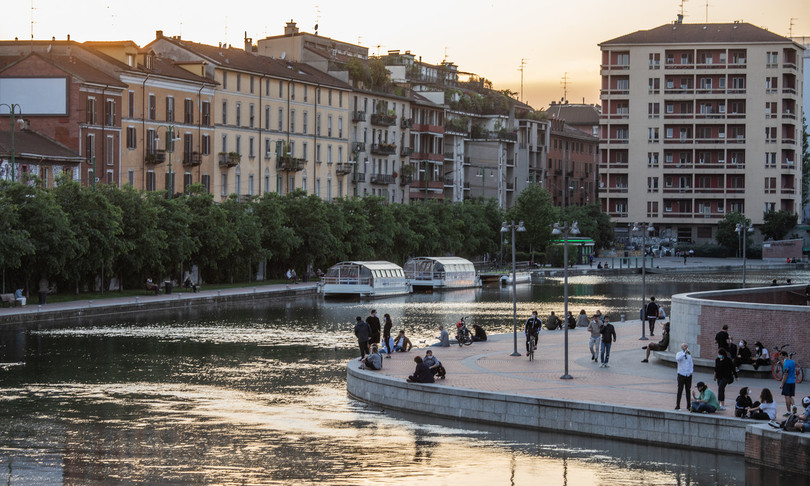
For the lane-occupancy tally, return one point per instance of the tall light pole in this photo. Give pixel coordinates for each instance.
(520, 228)
(644, 228)
(11, 113)
(169, 148)
(564, 229)
(743, 229)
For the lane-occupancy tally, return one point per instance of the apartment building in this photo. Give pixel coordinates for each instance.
(279, 125)
(573, 157)
(700, 120)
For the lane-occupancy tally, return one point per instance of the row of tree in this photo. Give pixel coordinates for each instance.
(75, 236)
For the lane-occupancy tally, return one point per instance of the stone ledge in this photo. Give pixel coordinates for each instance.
(775, 448)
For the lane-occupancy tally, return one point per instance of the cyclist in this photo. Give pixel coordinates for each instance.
(532, 328)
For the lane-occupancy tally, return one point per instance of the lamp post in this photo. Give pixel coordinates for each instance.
(13, 154)
(743, 229)
(169, 148)
(519, 228)
(644, 228)
(564, 229)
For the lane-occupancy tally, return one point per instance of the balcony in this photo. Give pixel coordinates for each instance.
(405, 151)
(382, 179)
(344, 168)
(788, 190)
(359, 177)
(405, 180)
(358, 147)
(511, 162)
(510, 186)
(449, 180)
(155, 157)
(358, 116)
(383, 148)
(192, 159)
(449, 156)
(288, 163)
(406, 123)
(229, 159)
(383, 119)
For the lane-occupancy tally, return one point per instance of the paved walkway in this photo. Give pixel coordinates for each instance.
(488, 366)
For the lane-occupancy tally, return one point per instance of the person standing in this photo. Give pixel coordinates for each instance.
(608, 333)
(722, 338)
(723, 375)
(652, 315)
(374, 323)
(788, 384)
(593, 342)
(363, 333)
(686, 366)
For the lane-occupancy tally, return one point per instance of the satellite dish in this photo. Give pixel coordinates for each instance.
(284, 55)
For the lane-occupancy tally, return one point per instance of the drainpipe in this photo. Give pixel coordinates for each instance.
(260, 147)
(199, 131)
(143, 129)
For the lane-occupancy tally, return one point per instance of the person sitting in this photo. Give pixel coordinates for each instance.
(743, 403)
(480, 333)
(761, 355)
(803, 424)
(599, 266)
(19, 297)
(661, 345)
(422, 373)
(152, 287)
(187, 283)
(705, 402)
(765, 409)
(374, 360)
(434, 364)
(388, 346)
(402, 343)
(743, 355)
(444, 337)
(553, 322)
(571, 320)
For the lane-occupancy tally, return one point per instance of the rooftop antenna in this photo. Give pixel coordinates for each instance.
(564, 84)
(32, 20)
(522, 65)
(378, 50)
(707, 11)
(790, 30)
(445, 54)
(683, 3)
(359, 39)
(317, 18)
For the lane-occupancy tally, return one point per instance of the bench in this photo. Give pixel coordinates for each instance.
(8, 300)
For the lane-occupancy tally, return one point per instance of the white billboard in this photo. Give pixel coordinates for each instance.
(36, 96)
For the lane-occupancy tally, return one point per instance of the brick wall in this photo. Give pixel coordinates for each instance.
(783, 451)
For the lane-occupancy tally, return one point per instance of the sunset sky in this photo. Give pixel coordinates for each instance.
(488, 38)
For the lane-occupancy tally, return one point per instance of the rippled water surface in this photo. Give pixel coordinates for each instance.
(257, 395)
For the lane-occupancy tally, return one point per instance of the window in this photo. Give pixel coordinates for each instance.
(280, 89)
(206, 144)
(292, 121)
(655, 60)
(770, 134)
(280, 118)
(652, 209)
(251, 84)
(90, 111)
(771, 84)
(205, 180)
(239, 144)
(224, 112)
(652, 134)
(305, 122)
(151, 141)
(652, 159)
(340, 155)
(251, 151)
(170, 109)
(188, 112)
(304, 151)
(224, 143)
(329, 123)
(206, 113)
(252, 113)
(224, 80)
(330, 97)
(292, 90)
(268, 151)
(654, 85)
(131, 177)
(770, 185)
(250, 177)
(187, 181)
(771, 59)
(224, 192)
(267, 87)
(150, 180)
(238, 81)
(770, 109)
(267, 118)
(340, 127)
(318, 153)
(306, 92)
(238, 113)
(623, 84)
(109, 113)
(109, 151)
(653, 110)
(318, 125)
(131, 138)
(131, 104)
(623, 59)
(328, 154)
(90, 147)
(770, 159)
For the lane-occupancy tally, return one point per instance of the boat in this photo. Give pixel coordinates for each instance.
(425, 273)
(364, 279)
(520, 278)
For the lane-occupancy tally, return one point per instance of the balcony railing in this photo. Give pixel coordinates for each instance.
(406, 123)
(291, 164)
(359, 116)
(405, 151)
(229, 159)
(449, 180)
(383, 119)
(382, 179)
(344, 168)
(155, 157)
(449, 155)
(405, 180)
(358, 147)
(383, 148)
(192, 158)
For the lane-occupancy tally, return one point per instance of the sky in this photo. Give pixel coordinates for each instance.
(556, 39)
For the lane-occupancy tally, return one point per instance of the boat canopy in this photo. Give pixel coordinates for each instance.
(428, 267)
(364, 269)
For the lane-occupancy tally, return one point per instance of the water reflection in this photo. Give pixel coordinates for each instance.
(246, 394)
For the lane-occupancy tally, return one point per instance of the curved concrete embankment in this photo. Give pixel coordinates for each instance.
(693, 431)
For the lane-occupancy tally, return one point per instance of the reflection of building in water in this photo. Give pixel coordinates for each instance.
(12, 346)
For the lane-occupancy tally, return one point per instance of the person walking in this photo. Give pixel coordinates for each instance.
(788, 384)
(723, 375)
(686, 366)
(363, 333)
(596, 335)
(608, 333)
(652, 315)
(722, 338)
(374, 323)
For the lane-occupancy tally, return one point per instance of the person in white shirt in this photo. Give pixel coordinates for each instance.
(685, 369)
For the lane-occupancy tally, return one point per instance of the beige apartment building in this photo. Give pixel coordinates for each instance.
(699, 120)
(278, 125)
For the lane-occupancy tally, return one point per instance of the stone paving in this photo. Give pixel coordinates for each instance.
(488, 366)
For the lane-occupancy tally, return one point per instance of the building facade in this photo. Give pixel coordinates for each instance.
(699, 120)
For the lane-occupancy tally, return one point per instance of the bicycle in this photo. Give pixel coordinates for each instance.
(463, 335)
(530, 346)
(776, 367)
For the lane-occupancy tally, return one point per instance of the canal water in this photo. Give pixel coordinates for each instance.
(257, 395)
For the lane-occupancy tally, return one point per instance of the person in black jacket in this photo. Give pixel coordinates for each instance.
(652, 315)
(374, 323)
(608, 337)
(422, 373)
(363, 333)
(480, 333)
(723, 375)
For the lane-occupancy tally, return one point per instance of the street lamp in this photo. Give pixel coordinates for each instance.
(564, 229)
(743, 229)
(644, 228)
(11, 113)
(169, 148)
(520, 228)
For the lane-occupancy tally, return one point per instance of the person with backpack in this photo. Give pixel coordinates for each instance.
(608, 333)
(434, 365)
(652, 315)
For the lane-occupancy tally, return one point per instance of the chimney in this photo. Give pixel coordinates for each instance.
(290, 28)
(680, 19)
(248, 43)
(158, 34)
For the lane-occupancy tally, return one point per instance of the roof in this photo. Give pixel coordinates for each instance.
(446, 260)
(372, 265)
(30, 144)
(574, 114)
(168, 68)
(75, 67)
(239, 59)
(571, 132)
(679, 33)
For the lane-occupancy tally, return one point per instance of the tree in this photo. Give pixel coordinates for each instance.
(727, 234)
(534, 207)
(778, 223)
(593, 223)
(15, 242)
